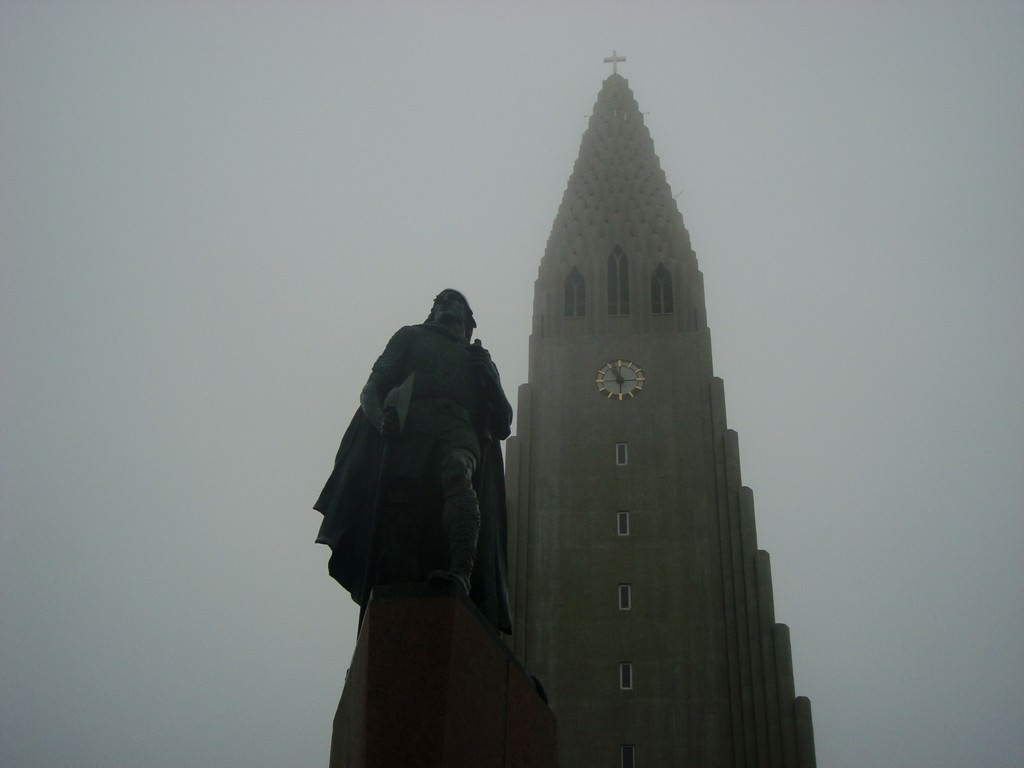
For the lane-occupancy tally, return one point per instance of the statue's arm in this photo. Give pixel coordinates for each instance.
(384, 376)
(501, 416)
(498, 407)
(370, 400)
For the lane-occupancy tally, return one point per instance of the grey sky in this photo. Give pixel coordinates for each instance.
(213, 215)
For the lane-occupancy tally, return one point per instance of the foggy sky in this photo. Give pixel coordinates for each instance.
(213, 215)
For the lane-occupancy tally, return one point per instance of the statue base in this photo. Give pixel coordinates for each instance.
(433, 686)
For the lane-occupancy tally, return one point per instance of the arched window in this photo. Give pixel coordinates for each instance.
(618, 283)
(575, 295)
(661, 292)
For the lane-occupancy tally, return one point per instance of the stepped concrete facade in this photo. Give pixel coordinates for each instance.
(641, 600)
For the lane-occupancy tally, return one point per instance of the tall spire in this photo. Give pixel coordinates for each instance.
(641, 599)
(618, 196)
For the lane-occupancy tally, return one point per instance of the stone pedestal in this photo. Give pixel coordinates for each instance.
(432, 686)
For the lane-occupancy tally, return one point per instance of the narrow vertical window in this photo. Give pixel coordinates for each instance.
(618, 283)
(626, 675)
(622, 523)
(622, 454)
(627, 754)
(625, 597)
(575, 295)
(661, 292)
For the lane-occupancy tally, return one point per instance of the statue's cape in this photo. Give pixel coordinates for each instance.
(347, 503)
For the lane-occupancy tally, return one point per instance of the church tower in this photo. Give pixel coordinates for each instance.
(640, 599)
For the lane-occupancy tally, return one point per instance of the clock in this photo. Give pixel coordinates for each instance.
(620, 379)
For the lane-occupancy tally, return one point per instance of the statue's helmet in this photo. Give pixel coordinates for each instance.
(449, 293)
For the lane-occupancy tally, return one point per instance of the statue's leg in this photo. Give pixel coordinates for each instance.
(461, 513)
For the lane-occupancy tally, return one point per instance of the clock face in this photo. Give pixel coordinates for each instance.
(620, 379)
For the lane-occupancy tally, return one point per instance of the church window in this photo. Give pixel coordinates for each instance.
(627, 755)
(626, 675)
(575, 295)
(622, 454)
(625, 597)
(661, 291)
(622, 522)
(618, 283)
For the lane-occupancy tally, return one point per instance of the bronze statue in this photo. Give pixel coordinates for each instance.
(417, 492)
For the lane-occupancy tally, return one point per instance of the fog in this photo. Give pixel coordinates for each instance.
(213, 215)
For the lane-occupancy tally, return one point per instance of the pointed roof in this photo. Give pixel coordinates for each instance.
(617, 193)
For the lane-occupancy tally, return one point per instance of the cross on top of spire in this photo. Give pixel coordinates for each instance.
(614, 60)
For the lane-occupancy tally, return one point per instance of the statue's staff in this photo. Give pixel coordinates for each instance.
(397, 399)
